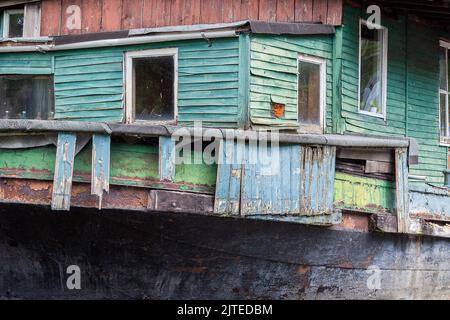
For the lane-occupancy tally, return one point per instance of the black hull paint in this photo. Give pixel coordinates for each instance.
(131, 255)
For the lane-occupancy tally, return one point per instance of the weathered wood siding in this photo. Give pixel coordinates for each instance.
(25, 63)
(274, 76)
(423, 102)
(89, 83)
(412, 89)
(131, 165)
(112, 15)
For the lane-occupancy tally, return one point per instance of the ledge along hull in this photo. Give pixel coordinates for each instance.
(132, 255)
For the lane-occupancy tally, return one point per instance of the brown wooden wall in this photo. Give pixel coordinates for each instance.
(113, 15)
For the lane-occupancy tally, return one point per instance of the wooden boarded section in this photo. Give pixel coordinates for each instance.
(257, 180)
(62, 182)
(112, 15)
(101, 156)
(167, 159)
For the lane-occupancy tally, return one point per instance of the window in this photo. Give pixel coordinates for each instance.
(372, 70)
(13, 23)
(444, 92)
(26, 97)
(151, 85)
(311, 93)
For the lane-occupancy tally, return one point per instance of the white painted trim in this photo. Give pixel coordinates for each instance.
(444, 140)
(6, 15)
(323, 86)
(129, 83)
(384, 71)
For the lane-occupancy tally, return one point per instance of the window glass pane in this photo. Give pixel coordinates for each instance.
(448, 69)
(443, 115)
(15, 25)
(153, 88)
(309, 93)
(443, 71)
(26, 97)
(371, 70)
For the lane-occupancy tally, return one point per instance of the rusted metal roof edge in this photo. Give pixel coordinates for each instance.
(253, 26)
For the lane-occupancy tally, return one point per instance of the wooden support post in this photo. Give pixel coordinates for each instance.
(402, 190)
(101, 154)
(167, 157)
(229, 175)
(62, 182)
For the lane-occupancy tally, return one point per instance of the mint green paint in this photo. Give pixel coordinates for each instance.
(412, 97)
(244, 78)
(273, 76)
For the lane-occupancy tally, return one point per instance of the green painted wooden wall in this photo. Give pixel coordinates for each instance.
(274, 77)
(89, 83)
(412, 89)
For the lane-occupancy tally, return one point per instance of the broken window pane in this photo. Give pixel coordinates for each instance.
(309, 108)
(154, 88)
(26, 97)
(371, 81)
(15, 24)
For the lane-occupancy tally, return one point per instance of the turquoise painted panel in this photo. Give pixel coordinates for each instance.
(25, 63)
(62, 182)
(101, 158)
(273, 69)
(167, 154)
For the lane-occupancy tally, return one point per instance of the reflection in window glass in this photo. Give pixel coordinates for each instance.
(371, 81)
(309, 93)
(154, 88)
(444, 90)
(26, 97)
(16, 25)
(443, 115)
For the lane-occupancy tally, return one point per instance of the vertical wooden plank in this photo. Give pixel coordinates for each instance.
(163, 11)
(191, 12)
(176, 15)
(229, 172)
(101, 155)
(211, 11)
(32, 23)
(228, 10)
(51, 18)
(303, 10)
(65, 16)
(253, 9)
(244, 78)
(268, 10)
(167, 158)
(92, 15)
(62, 182)
(335, 12)
(285, 10)
(149, 13)
(320, 9)
(132, 14)
(111, 15)
(402, 189)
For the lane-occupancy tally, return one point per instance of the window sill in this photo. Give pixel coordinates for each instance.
(371, 114)
(444, 142)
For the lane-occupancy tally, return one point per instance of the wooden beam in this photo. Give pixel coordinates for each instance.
(402, 189)
(167, 158)
(101, 154)
(62, 182)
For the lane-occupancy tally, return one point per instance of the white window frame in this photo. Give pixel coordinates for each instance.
(6, 15)
(445, 140)
(129, 83)
(305, 128)
(384, 69)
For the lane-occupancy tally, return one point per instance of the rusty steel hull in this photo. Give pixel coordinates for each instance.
(135, 255)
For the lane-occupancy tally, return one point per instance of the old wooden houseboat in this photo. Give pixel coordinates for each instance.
(318, 136)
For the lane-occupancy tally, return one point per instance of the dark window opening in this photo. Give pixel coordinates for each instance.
(13, 23)
(309, 93)
(154, 98)
(26, 97)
